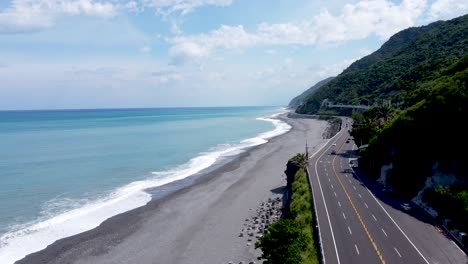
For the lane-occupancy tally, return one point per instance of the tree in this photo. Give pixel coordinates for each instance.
(283, 243)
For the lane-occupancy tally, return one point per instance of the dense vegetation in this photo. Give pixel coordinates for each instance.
(298, 100)
(291, 239)
(408, 59)
(418, 84)
(425, 140)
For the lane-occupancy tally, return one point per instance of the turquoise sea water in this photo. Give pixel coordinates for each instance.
(64, 172)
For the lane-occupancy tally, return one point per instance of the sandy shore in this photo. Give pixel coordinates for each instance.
(197, 224)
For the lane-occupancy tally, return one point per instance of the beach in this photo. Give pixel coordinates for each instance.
(201, 222)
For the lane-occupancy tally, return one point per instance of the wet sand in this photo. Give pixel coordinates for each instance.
(199, 223)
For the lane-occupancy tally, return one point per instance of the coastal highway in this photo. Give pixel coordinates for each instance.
(356, 226)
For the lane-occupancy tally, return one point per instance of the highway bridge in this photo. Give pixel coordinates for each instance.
(365, 107)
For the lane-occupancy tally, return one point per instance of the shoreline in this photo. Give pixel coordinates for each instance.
(205, 211)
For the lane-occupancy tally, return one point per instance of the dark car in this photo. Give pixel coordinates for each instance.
(333, 152)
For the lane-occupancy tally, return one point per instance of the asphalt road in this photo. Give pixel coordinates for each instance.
(359, 224)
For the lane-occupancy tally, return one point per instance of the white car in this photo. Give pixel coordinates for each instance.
(406, 206)
(334, 144)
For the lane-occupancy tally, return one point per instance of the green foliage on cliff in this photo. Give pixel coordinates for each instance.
(291, 239)
(407, 60)
(426, 138)
(302, 212)
(283, 243)
(451, 203)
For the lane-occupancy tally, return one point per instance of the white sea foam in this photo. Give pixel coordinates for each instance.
(36, 236)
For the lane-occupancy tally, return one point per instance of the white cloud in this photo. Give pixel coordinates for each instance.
(336, 68)
(446, 9)
(187, 50)
(31, 15)
(145, 49)
(167, 7)
(382, 18)
(199, 46)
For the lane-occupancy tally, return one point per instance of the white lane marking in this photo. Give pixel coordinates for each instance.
(344, 216)
(399, 228)
(374, 217)
(354, 187)
(357, 250)
(328, 179)
(349, 180)
(359, 195)
(334, 193)
(328, 215)
(326, 209)
(384, 232)
(332, 186)
(339, 203)
(397, 252)
(366, 206)
(346, 175)
(315, 209)
(349, 229)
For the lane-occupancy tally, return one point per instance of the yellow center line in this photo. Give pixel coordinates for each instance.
(382, 260)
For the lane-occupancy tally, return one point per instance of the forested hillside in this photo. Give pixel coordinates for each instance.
(419, 137)
(298, 100)
(408, 59)
(426, 141)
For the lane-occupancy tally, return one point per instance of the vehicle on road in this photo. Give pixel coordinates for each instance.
(406, 206)
(334, 144)
(333, 152)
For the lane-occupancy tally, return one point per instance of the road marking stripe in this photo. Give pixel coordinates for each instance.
(359, 195)
(349, 229)
(399, 228)
(354, 187)
(326, 209)
(371, 239)
(334, 193)
(339, 203)
(328, 215)
(397, 252)
(374, 217)
(357, 250)
(384, 232)
(366, 205)
(344, 216)
(332, 186)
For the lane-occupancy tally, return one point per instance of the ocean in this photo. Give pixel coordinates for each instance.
(63, 172)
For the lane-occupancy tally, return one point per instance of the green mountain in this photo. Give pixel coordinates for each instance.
(298, 100)
(418, 138)
(407, 59)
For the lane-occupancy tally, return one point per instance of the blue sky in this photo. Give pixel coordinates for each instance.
(61, 54)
